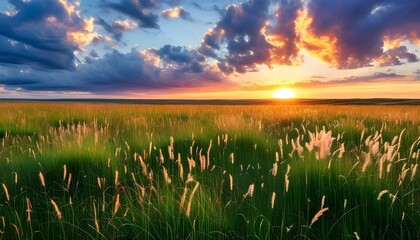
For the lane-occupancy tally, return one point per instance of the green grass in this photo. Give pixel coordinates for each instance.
(95, 141)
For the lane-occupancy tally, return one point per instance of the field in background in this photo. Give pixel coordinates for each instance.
(126, 171)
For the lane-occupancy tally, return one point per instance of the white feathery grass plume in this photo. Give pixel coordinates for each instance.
(16, 177)
(42, 179)
(28, 209)
(161, 158)
(117, 151)
(191, 164)
(143, 166)
(403, 216)
(117, 203)
(191, 148)
(208, 153)
(413, 172)
(286, 178)
(171, 149)
(57, 210)
(345, 203)
(381, 193)
(226, 138)
(310, 145)
(6, 191)
(375, 149)
(274, 169)
(99, 182)
(202, 161)
(180, 167)
(128, 146)
(366, 162)
(394, 140)
(281, 148)
(403, 174)
(381, 165)
(188, 212)
(412, 146)
(388, 167)
(356, 235)
(362, 135)
(399, 139)
(250, 191)
(393, 197)
(184, 196)
(150, 149)
(277, 157)
(390, 153)
(64, 172)
(166, 176)
(232, 158)
(273, 199)
(231, 181)
(116, 183)
(342, 151)
(68, 183)
(322, 201)
(318, 215)
(96, 217)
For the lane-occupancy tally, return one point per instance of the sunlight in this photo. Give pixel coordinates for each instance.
(284, 93)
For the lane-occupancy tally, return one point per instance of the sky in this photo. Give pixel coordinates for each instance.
(199, 49)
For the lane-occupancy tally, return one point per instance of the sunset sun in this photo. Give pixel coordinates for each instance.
(284, 93)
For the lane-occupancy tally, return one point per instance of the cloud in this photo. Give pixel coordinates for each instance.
(43, 34)
(375, 77)
(140, 10)
(237, 41)
(344, 34)
(220, 11)
(394, 56)
(353, 34)
(163, 69)
(180, 58)
(117, 28)
(284, 35)
(178, 12)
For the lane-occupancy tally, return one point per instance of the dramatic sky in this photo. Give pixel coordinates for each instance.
(209, 49)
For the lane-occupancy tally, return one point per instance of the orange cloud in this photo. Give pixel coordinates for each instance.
(84, 36)
(321, 47)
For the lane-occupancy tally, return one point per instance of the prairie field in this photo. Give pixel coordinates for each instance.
(134, 171)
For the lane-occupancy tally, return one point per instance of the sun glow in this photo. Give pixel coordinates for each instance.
(284, 93)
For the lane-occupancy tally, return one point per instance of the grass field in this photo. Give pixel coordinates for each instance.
(127, 171)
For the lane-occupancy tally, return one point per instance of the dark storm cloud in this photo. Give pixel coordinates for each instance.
(39, 34)
(139, 10)
(178, 12)
(117, 72)
(357, 30)
(237, 41)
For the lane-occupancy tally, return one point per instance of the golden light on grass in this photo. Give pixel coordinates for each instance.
(284, 93)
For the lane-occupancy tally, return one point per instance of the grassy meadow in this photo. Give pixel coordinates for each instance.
(127, 171)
